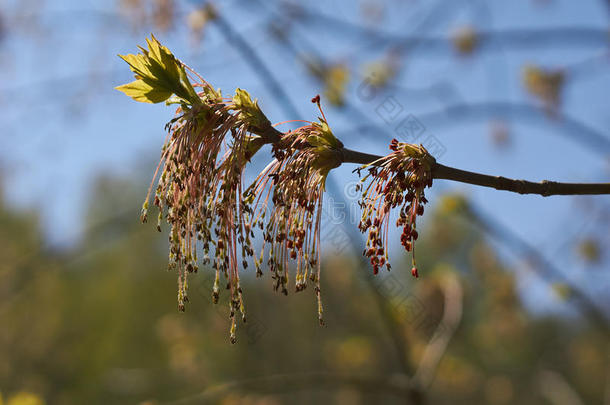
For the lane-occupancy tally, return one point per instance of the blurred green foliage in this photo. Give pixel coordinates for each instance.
(99, 324)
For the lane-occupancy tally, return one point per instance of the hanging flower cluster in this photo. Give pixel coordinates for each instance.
(294, 184)
(396, 180)
(199, 189)
(198, 184)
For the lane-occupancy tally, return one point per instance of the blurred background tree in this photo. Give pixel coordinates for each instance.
(99, 325)
(511, 305)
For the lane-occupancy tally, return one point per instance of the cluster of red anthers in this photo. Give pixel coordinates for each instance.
(294, 184)
(396, 180)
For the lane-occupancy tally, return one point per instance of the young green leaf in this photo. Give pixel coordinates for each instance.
(144, 93)
(159, 75)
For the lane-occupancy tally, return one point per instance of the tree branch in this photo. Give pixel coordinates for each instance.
(251, 57)
(545, 188)
(439, 171)
(541, 265)
(564, 125)
(489, 40)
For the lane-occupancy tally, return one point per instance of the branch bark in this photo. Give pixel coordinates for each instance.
(544, 188)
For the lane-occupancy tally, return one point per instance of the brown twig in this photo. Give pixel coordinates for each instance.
(545, 188)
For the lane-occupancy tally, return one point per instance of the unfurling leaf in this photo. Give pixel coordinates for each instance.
(249, 111)
(158, 75)
(144, 93)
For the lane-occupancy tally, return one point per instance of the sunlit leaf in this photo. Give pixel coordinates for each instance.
(143, 92)
(159, 75)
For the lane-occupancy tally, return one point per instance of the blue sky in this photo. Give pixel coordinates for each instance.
(63, 124)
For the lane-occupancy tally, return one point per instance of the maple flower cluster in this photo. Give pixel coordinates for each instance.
(396, 180)
(198, 187)
(294, 184)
